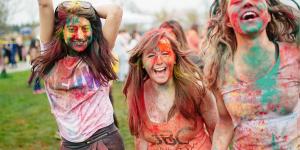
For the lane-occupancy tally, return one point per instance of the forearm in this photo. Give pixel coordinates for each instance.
(46, 15)
(140, 144)
(45, 3)
(209, 113)
(222, 136)
(113, 15)
(109, 11)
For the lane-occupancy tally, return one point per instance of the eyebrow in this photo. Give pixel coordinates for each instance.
(71, 25)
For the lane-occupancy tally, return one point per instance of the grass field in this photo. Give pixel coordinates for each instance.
(26, 122)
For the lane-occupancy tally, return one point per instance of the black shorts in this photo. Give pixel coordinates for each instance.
(107, 138)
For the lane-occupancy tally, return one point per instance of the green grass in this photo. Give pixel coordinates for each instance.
(27, 123)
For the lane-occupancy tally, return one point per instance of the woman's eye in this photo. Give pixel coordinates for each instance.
(84, 29)
(150, 55)
(165, 53)
(71, 29)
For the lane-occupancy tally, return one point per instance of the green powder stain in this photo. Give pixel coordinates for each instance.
(283, 110)
(275, 145)
(268, 85)
(72, 20)
(245, 28)
(267, 82)
(261, 6)
(256, 57)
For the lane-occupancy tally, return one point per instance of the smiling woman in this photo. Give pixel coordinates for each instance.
(77, 33)
(252, 67)
(168, 105)
(76, 65)
(159, 62)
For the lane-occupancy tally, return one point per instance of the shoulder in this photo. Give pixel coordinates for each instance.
(289, 52)
(289, 48)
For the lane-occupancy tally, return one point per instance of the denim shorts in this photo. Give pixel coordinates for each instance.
(107, 138)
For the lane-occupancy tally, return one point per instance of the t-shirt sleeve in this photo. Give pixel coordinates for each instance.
(46, 46)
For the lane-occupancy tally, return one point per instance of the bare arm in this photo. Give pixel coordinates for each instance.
(140, 144)
(209, 112)
(113, 15)
(46, 14)
(224, 128)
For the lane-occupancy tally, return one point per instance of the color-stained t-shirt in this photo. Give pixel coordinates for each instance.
(177, 133)
(79, 102)
(266, 112)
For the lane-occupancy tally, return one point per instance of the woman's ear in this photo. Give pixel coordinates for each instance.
(227, 22)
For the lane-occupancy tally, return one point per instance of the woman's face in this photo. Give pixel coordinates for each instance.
(248, 17)
(159, 62)
(77, 33)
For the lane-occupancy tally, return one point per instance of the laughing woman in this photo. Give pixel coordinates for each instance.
(168, 106)
(253, 68)
(77, 65)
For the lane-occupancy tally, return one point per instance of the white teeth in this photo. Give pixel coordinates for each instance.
(79, 43)
(249, 14)
(159, 69)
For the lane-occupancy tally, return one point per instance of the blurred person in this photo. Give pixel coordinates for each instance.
(76, 64)
(121, 49)
(20, 48)
(169, 108)
(253, 68)
(3, 73)
(176, 29)
(193, 38)
(13, 51)
(134, 38)
(7, 53)
(34, 52)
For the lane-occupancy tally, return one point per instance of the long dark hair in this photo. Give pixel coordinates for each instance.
(98, 56)
(188, 91)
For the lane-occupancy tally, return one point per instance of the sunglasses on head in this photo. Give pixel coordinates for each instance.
(71, 4)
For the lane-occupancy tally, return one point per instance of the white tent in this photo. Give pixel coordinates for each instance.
(136, 18)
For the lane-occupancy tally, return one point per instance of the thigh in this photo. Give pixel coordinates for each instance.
(113, 141)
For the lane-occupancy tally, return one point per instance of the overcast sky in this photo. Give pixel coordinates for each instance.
(26, 11)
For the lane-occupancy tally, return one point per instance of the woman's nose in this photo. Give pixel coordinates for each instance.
(159, 59)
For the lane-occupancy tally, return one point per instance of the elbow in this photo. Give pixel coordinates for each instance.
(225, 123)
(43, 3)
(117, 12)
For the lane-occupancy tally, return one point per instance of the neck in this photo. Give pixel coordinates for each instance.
(155, 89)
(260, 40)
(72, 52)
(254, 56)
(163, 87)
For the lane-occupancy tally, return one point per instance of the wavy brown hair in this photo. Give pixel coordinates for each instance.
(188, 92)
(178, 31)
(283, 27)
(97, 55)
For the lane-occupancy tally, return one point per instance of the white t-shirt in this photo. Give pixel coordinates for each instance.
(79, 102)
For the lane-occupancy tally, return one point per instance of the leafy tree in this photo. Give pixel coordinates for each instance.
(3, 16)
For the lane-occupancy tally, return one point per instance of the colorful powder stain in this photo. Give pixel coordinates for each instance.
(275, 146)
(245, 27)
(268, 85)
(256, 58)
